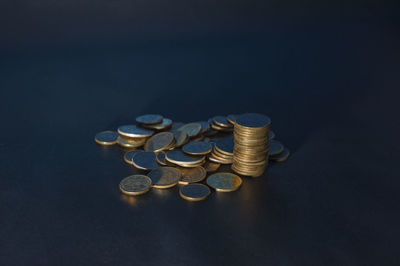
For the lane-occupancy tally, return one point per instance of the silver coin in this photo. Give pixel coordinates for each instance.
(149, 119)
(145, 160)
(221, 121)
(205, 126)
(132, 131)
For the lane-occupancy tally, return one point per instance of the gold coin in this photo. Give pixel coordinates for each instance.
(145, 160)
(219, 128)
(159, 142)
(281, 157)
(178, 157)
(160, 158)
(221, 121)
(216, 159)
(224, 182)
(192, 129)
(225, 146)
(135, 184)
(125, 142)
(129, 155)
(253, 120)
(211, 166)
(149, 119)
(197, 148)
(194, 192)
(192, 175)
(275, 148)
(165, 177)
(106, 138)
(132, 131)
(181, 138)
(166, 123)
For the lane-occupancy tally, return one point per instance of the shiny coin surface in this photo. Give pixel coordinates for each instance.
(178, 157)
(159, 142)
(181, 138)
(132, 131)
(194, 192)
(211, 167)
(275, 148)
(166, 123)
(191, 129)
(165, 177)
(281, 157)
(197, 148)
(253, 120)
(224, 182)
(145, 160)
(225, 146)
(192, 175)
(106, 138)
(135, 184)
(160, 158)
(149, 119)
(221, 121)
(130, 143)
(129, 155)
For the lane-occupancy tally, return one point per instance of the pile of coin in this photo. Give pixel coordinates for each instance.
(170, 153)
(251, 137)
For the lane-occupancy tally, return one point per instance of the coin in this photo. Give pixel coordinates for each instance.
(178, 157)
(132, 131)
(225, 145)
(221, 121)
(214, 158)
(224, 182)
(159, 142)
(251, 120)
(129, 155)
(192, 129)
(149, 119)
(145, 160)
(194, 192)
(106, 138)
(211, 166)
(223, 129)
(160, 158)
(197, 148)
(181, 138)
(275, 148)
(129, 143)
(231, 119)
(281, 157)
(165, 123)
(135, 184)
(205, 126)
(165, 177)
(192, 175)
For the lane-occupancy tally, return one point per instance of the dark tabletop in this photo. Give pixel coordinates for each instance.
(327, 76)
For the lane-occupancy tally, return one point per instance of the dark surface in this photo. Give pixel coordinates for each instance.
(328, 77)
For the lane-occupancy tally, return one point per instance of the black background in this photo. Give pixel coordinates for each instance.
(327, 73)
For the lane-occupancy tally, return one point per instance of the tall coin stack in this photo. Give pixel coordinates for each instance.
(251, 144)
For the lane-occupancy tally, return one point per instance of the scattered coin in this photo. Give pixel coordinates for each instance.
(130, 143)
(132, 131)
(135, 185)
(149, 119)
(275, 148)
(165, 177)
(166, 123)
(145, 160)
(160, 158)
(281, 157)
(106, 138)
(191, 129)
(224, 182)
(192, 175)
(221, 121)
(194, 192)
(159, 142)
(211, 167)
(197, 148)
(225, 146)
(180, 158)
(181, 138)
(231, 119)
(129, 155)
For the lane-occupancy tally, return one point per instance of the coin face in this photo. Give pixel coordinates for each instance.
(253, 120)
(281, 157)
(221, 121)
(124, 142)
(159, 142)
(149, 119)
(275, 148)
(160, 158)
(191, 129)
(192, 175)
(194, 192)
(178, 157)
(106, 137)
(129, 155)
(211, 167)
(165, 177)
(165, 123)
(181, 138)
(225, 145)
(197, 148)
(135, 184)
(145, 160)
(132, 131)
(224, 182)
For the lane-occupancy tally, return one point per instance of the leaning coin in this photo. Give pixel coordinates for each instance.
(106, 138)
(192, 129)
(211, 166)
(135, 184)
(225, 145)
(281, 157)
(192, 175)
(159, 142)
(224, 182)
(165, 177)
(275, 148)
(145, 160)
(132, 131)
(197, 148)
(149, 119)
(129, 155)
(194, 192)
(129, 143)
(221, 121)
(181, 138)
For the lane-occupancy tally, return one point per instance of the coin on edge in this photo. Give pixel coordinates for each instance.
(135, 185)
(198, 148)
(145, 160)
(194, 192)
(224, 182)
(192, 129)
(149, 119)
(159, 142)
(106, 137)
(165, 177)
(160, 158)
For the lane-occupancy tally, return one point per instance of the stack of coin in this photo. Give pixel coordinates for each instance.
(251, 138)
(220, 123)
